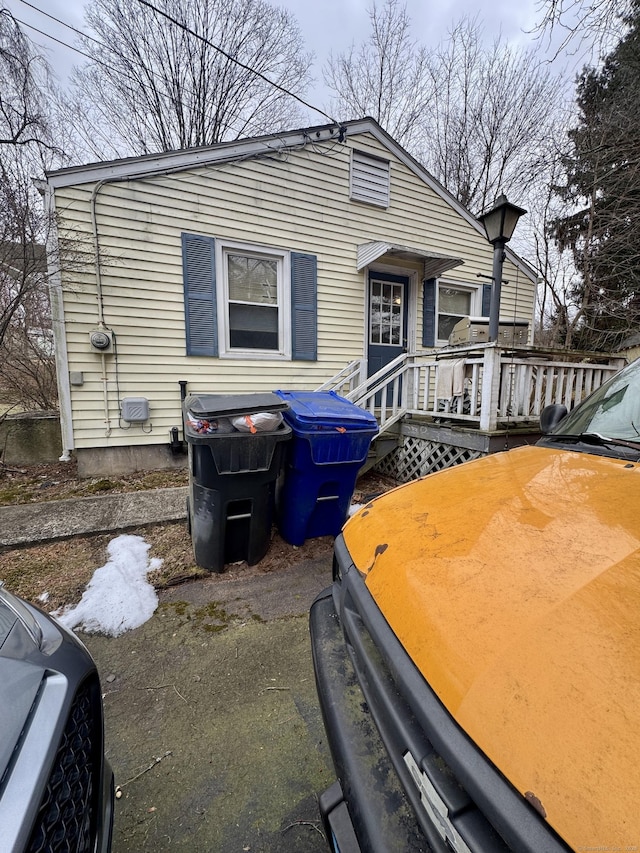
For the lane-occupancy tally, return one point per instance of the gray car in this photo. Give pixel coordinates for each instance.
(56, 786)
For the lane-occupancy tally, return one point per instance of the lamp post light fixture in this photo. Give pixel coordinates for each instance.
(499, 224)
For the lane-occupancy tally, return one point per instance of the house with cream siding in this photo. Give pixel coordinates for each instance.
(261, 264)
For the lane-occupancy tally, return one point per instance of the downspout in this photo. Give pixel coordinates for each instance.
(98, 266)
(178, 445)
(101, 323)
(98, 279)
(152, 173)
(56, 298)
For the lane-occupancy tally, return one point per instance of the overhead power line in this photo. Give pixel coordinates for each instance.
(155, 74)
(119, 71)
(57, 40)
(233, 59)
(63, 23)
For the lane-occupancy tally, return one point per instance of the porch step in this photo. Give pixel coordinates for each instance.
(380, 448)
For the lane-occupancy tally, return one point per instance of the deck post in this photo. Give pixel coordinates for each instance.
(490, 388)
(362, 374)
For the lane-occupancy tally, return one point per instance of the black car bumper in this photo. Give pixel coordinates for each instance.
(409, 777)
(367, 809)
(56, 786)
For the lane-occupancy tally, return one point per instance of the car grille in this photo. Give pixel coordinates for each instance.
(439, 767)
(67, 815)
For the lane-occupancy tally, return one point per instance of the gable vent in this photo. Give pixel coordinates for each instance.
(369, 179)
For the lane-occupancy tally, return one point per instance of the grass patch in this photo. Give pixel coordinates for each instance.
(63, 568)
(59, 481)
(98, 486)
(58, 570)
(10, 493)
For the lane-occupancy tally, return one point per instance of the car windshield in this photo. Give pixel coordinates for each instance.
(613, 411)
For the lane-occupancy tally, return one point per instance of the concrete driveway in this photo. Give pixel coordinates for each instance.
(212, 722)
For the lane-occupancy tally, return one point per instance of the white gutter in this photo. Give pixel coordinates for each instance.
(148, 165)
(56, 298)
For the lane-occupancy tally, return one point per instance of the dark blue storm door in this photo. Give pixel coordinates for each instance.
(388, 321)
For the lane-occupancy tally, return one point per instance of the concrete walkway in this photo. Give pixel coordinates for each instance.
(39, 522)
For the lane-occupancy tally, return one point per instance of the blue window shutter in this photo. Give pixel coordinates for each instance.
(304, 307)
(486, 300)
(429, 312)
(199, 276)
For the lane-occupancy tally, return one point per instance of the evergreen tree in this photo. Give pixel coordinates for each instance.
(603, 187)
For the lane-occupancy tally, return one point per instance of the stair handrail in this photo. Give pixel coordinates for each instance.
(346, 375)
(389, 371)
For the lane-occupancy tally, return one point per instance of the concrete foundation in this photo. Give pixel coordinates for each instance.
(115, 461)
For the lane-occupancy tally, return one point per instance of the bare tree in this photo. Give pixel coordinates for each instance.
(490, 115)
(155, 86)
(27, 369)
(387, 77)
(27, 148)
(23, 117)
(557, 310)
(476, 116)
(585, 27)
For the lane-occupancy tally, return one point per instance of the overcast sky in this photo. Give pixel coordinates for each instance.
(327, 25)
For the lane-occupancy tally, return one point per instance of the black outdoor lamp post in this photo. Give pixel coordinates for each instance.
(499, 224)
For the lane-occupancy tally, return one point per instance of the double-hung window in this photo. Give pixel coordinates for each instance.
(454, 303)
(445, 303)
(256, 315)
(248, 301)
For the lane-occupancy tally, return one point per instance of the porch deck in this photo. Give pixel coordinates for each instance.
(462, 402)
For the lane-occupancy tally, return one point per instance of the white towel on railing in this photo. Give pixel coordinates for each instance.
(450, 379)
(459, 367)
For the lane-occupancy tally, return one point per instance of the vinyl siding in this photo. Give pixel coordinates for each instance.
(298, 202)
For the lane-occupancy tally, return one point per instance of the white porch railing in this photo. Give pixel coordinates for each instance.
(349, 378)
(481, 385)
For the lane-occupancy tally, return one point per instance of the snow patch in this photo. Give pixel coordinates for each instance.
(118, 597)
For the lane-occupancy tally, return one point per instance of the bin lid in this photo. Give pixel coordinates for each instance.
(317, 410)
(210, 405)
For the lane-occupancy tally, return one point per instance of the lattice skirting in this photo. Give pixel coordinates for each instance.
(418, 457)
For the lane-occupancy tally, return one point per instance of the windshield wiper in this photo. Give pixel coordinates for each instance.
(594, 438)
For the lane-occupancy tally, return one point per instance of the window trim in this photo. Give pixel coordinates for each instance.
(475, 308)
(222, 249)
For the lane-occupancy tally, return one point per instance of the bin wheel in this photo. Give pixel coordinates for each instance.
(188, 517)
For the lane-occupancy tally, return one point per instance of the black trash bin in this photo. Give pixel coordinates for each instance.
(232, 476)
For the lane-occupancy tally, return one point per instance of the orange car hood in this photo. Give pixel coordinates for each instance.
(514, 584)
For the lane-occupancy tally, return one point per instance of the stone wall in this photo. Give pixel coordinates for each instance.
(30, 438)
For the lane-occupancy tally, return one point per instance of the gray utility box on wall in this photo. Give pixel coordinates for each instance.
(475, 330)
(135, 410)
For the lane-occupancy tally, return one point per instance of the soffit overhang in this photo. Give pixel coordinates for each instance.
(434, 263)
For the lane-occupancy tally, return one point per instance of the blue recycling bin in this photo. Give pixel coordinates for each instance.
(329, 444)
